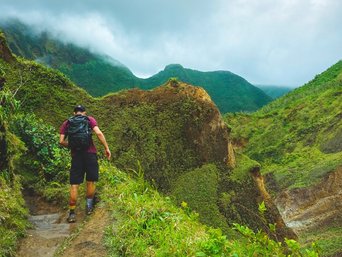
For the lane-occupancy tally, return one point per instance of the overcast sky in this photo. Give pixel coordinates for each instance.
(281, 42)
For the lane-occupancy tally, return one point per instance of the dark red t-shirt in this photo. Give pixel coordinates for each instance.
(92, 122)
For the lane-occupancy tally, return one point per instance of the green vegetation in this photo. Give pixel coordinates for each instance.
(230, 92)
(199, 189)
(100, 75)
(150, 225)
(297, 141)
(147, 134)
(45, 165)
(13, 213)
(296, 137)
(97, 74)
(167, 130)
(328, 238)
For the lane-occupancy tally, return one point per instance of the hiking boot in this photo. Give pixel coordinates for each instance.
(96, 199)
(89, 210)
(89, 206)
(72, 217)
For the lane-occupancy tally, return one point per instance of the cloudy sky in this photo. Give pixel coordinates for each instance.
(282, 42)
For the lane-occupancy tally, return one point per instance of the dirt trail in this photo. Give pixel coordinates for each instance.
(89, 241)
(48, 231)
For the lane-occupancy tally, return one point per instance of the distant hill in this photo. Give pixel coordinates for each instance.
(274, 91)
(230, 92)
(100, 75)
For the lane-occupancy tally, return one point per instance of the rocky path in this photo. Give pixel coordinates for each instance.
(89, 242)
(50, 229)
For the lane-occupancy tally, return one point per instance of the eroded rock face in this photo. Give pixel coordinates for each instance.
(273, 215)
(305, 209)
(178, 135)
(191, 115)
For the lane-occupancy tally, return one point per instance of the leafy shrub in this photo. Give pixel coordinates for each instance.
(13, 214)
(46, 163)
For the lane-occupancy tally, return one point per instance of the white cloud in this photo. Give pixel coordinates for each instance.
(265, 41)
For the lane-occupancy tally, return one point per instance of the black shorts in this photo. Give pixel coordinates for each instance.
(83, 163)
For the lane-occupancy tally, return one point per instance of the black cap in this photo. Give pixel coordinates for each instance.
(79, 108)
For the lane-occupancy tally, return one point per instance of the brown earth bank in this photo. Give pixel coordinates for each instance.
(305, 209)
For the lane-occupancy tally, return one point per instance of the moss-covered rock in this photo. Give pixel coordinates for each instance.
(199, 189)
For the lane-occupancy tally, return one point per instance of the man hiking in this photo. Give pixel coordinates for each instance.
(75, 133)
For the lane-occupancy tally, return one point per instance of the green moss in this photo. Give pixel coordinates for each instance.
(244, 166)
(328, 239)
(199, 189)
(13, 214)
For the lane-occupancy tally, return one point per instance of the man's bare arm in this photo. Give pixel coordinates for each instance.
(62, 140)
(102, 139)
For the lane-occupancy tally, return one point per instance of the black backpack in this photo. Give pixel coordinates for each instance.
(79, 133)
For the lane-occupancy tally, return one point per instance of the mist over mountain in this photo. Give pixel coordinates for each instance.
(100, 75)
(274, 91)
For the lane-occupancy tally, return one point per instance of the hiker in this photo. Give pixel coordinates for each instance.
(75, 133)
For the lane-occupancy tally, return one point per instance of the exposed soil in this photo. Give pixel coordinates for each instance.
(309, 208)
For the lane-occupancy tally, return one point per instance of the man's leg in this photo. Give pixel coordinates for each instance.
(92, 175)
(90, 196)
(90, 189)
(72, 202)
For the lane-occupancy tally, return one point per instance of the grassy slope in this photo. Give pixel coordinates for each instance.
(13, 213)
(99, 76)
(150, 225)
(298, 140)
(297, 137)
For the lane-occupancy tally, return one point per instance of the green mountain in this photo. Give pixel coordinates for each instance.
(95, 73)
(100, 75)
(274, 91)
(298, 141)
(230, 92)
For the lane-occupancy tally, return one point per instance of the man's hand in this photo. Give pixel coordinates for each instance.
(102, 139)
(62, 140)
(108, 154)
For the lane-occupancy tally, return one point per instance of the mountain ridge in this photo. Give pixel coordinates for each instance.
(92, 72)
